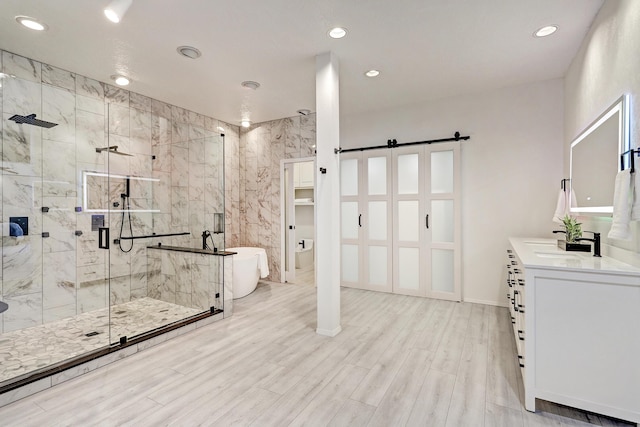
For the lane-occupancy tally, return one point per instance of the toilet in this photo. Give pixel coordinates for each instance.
(304, 253)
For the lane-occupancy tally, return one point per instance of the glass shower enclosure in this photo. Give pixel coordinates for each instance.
(93, 190)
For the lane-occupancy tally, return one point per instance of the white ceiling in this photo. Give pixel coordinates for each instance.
(424, 49)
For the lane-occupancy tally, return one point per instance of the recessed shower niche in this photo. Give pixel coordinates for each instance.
(119, 173)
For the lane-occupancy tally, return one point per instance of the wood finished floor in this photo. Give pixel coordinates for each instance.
(399, 361)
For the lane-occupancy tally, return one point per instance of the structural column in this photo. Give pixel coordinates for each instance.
(328, 194)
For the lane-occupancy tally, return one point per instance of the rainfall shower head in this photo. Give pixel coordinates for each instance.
(31, 120)
(113, 149)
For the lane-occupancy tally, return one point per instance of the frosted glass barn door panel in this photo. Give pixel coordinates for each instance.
(349, 176)
(408, 270)
(442, 270)
(409, 231)
(377, 176)
(443, 208)
(442, 221)
(442, 172)
(351, 220)
(378, 266)
(350, 257)
(376, 224)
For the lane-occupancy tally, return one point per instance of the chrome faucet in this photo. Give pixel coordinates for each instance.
(595, 241)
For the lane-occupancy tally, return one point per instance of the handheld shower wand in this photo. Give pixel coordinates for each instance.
(126, 205)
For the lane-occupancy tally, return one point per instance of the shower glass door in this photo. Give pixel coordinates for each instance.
(53, 277)
(165, 202)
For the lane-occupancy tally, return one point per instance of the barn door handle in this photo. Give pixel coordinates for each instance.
(360, 220)
(426, 220)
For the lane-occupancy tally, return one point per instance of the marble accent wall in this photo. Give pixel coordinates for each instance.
(262, 147)
(47, 279)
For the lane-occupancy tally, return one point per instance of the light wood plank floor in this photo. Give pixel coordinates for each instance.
(399, 361)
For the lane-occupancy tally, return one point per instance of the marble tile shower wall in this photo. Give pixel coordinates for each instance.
(47, 279)
(187, 279)
(261, 148)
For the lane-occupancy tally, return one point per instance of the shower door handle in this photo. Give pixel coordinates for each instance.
(103, 237)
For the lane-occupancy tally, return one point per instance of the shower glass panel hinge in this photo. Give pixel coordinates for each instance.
(45, 209)
(45, 234)
(123, 340)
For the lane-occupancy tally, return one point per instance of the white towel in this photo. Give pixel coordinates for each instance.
(621, 207)
(263, 263)
(566, 200)
(635, 209)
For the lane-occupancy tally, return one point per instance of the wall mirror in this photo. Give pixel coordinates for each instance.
(595, 159)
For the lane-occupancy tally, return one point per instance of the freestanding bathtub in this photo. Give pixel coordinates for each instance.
(249, 265)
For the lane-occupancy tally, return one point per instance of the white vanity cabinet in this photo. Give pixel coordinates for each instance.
(577, 328)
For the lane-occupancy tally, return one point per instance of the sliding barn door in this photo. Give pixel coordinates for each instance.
(350, 220)
(366, 220)
(442, 195)
(410, 227)
(400, 212)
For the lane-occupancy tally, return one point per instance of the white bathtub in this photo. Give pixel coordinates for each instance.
(249, 264)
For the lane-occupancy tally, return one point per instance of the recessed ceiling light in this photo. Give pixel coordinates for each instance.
(31, 23)
(250, 84)
(245, 123)
(189, 52)
(372, 73)
(220, 129)
(116, 10)
(120, 80)
(337, 32)
(546, 31)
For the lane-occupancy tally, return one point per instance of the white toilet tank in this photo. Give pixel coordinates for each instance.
(304, 253)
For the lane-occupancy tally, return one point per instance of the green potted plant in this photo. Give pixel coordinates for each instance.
(573, 228)
(573, 232)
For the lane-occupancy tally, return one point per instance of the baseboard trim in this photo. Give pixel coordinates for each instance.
(329, 333)
(485, 302)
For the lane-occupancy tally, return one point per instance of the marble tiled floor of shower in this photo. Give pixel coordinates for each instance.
(31, 349)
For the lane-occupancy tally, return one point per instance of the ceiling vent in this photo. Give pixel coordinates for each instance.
(250, 84)
(189, 52)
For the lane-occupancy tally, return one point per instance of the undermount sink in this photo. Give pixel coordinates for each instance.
(556, 255)
(538, 243)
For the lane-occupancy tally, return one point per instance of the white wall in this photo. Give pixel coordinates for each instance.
(606, 66)
(511, 167)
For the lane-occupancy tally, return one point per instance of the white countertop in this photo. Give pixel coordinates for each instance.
(545, 254)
